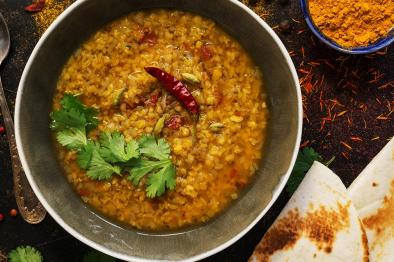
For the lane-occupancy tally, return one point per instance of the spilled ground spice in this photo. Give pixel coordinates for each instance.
(51, 10)
(258, 6)
(353, 24)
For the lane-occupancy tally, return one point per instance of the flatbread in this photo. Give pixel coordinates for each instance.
(373, 195)
(319, 223)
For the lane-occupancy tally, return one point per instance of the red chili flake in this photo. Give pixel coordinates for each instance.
(147, 36)
(356, 138)
(308, 87)
(2, 129)
(206, 52)
(233, 173)
(13, 212)
(1, 217)
(36, 6)
(83, 192)
(342, 113)
(346, 145)
(345, 155)
(174, 122)
(152, 101)
(304, 144)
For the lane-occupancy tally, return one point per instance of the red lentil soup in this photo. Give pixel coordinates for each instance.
(210, 173)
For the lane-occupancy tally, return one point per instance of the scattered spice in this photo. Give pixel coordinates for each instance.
(13, 212)
(359, 24)
(258, 6)
(50, 11)
(35, 6)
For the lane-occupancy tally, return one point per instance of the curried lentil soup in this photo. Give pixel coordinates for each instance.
(107, 73)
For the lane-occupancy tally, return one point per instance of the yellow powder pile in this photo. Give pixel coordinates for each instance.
(353, 23)
(52, 9)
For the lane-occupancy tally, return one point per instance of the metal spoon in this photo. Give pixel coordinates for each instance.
(29, 206)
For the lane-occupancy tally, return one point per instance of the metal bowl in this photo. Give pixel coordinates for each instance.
(38, 155)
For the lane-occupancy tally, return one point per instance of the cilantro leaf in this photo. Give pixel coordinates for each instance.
(142, 167)
(25, 254)
(95, 256)
(115, 149)
(62, 119)
(84, 156)
(158, 182)
(73, 114)
(99, 169)
(305, 159)
(151, 148)
(72, 138)
(70, 102)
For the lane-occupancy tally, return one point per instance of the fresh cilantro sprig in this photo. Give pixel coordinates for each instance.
(156, 163)
(25, 254)
(305, 159)
(72, 122)
(112, 154)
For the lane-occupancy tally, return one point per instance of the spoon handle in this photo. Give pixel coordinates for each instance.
(29, 206)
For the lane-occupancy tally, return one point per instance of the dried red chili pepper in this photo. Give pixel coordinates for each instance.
(2, 129)
(36, 6)
(174, 122)
(176, 88)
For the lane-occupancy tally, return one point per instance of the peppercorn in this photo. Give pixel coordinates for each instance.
(13, 212)
(285, 25)
(1, 217)
(2, 129)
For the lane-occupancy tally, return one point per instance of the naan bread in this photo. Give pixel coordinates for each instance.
(319, 223)
(373, 196)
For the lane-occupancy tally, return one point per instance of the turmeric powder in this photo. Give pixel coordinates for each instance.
(353, 23)
(52, 9)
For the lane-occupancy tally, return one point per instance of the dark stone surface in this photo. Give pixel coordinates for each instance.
(347, 79)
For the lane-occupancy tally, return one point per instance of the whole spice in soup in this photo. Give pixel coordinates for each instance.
(190, 78)
(112, 154)
(350, 25)
(216, 127)
(36, 6)
(159, 125)
(176, 88)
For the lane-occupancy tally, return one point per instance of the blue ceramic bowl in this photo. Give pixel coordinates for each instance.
(382, 43)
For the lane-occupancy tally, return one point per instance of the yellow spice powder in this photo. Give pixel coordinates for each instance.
(52, 9)
(355, 23)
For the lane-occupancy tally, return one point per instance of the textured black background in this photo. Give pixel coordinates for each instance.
(362, 100)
